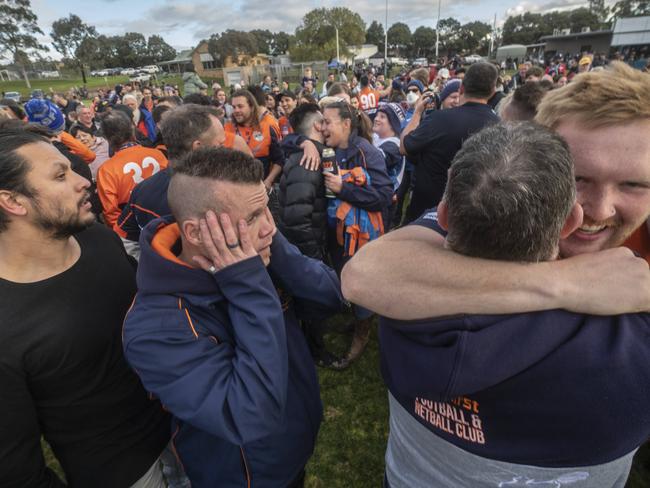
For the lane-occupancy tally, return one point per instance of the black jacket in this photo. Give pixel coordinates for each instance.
(303, 206)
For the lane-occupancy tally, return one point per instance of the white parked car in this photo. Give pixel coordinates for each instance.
(151, 69)
(473, 58)
(140, 77)
(128, 71)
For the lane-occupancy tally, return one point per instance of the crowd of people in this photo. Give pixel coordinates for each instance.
(168, 266)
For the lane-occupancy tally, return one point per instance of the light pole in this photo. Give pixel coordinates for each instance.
(386, 43)
(338, 60)
(438, 30)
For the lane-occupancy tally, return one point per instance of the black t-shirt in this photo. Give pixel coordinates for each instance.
(63, 375)
(433, 145)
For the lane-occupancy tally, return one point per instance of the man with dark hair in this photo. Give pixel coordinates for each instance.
(490, 414)
(303, 212)
(288, 103)
(183, 129)
(522, 104)
(198, 99)
(130, 164)
(432, 144)
(65, 286)
(212, 337)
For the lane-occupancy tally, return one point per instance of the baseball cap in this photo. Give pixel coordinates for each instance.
(584, 60)
(45, 113)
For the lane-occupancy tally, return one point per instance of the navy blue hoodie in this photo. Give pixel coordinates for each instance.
(550, 389)
(227, 358)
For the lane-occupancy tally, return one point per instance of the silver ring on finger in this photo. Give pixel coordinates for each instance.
(212, 270)
(232, 246)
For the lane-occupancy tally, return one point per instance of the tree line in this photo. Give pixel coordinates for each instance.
(314, 39)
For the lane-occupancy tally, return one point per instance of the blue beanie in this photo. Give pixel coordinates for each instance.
(45, 113)
(395, 114)
(417, 83)
(452, 86)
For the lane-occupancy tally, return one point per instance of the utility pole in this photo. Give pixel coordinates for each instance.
(386, 43)
(338, 59)
(494, 31)
(438, 31)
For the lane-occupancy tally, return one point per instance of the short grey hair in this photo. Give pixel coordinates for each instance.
(509, 192)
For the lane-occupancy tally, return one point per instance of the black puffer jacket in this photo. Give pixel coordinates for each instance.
(303, 207)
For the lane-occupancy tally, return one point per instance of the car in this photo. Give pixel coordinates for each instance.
(473, 58)
(151, 69)
(13, 95)
(140, 77)
(421, 62)
(128, 71)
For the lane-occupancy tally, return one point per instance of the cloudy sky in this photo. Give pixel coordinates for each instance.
(182, 24)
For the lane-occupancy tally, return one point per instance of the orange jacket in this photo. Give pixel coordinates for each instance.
(263, 140)
(368, 98)
(119, 174)
(77, 147)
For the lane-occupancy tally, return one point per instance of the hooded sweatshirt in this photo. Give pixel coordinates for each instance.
(549, 396)
(226, 356)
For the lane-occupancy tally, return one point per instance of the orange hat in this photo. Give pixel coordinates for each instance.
(584, 60)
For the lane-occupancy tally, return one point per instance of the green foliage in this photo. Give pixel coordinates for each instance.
(232, 43)
(529, 27)
(158, 50)
(18, 29)
(315, 37)
(399, 37)
(423, 42)
(68, 34)
(375, 35)
(631, 8)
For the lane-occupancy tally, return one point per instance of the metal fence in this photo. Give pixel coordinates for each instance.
(291, 73)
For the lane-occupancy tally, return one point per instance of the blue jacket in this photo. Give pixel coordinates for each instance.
(375, 197)
(148, 201)
(551, 389)
(227, 358)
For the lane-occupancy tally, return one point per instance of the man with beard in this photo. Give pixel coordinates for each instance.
(65, 286)
(260, 133)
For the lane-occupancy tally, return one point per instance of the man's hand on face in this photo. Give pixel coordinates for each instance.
(220, 245)
(609, 282)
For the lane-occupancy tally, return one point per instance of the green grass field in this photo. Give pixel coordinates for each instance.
(352, 438)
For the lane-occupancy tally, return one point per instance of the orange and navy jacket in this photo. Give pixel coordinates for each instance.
(263, 140)
(368, 99)
(285, 126)
(208, 344)
(77, 147)
(148, 201)
(118, 176)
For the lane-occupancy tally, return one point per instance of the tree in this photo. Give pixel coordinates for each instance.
(18, 29)
(630, 8)
(524, 29)
(280, 43)
(264, 40)
(316, 36)
(598, 8)
(449, 35)
(158, 50)
(237, 45)
(399, 36)
(583, 17)
(474, 36)
(423, 42)
(67, 35)
(375, 35)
